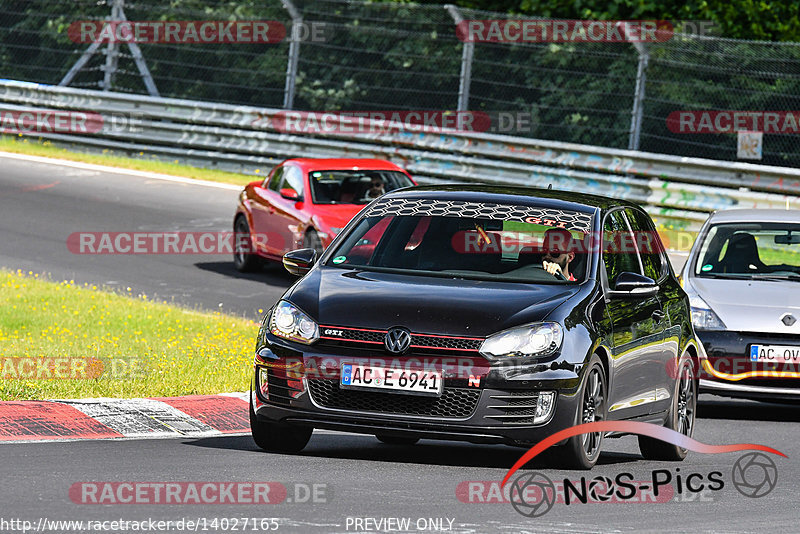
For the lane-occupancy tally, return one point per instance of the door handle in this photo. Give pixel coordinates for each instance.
(658, 315)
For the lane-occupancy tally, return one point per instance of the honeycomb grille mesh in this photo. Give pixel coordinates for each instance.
(453, 403)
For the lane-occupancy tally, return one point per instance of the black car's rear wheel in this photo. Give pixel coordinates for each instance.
(396, 440)
(245, 258)
(275, 437)
(582, 451)
(680, 418)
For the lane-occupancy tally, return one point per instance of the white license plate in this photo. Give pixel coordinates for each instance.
(774, 353)
(428, 382)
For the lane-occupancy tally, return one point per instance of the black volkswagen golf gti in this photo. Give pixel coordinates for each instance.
(480, 313)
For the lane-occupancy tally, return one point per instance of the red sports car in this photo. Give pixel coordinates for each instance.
(304, 203)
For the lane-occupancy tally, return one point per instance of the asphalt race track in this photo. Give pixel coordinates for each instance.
(360, 483)
(42, 204)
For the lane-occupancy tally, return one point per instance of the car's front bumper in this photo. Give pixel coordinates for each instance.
(730, 372)
(493, 412)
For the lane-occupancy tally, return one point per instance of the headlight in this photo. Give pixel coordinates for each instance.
(530, 340)
(703, 317)
(289, 322)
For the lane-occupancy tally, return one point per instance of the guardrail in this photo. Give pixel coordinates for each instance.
(678, 191)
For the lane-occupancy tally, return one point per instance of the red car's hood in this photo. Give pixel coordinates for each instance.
(336, 215)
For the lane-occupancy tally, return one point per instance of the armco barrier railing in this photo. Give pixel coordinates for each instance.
(679, 192)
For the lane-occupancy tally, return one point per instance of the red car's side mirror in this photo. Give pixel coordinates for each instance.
(290, 194)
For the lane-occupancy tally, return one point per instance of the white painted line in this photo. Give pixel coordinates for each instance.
(119, 170)
(243, 395)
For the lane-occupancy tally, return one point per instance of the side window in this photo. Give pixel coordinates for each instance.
(647, 243)
(275, 183)
(619, 251)
(293, 178)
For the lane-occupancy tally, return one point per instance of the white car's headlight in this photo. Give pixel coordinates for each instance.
(530, 340)
(703, 317)
(289, 322)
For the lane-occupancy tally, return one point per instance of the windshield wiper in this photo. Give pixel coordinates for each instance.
(781, 278)
(725, 276)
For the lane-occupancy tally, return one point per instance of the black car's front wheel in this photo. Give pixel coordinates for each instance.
(582, 451)
(680, 418)
(276, 437)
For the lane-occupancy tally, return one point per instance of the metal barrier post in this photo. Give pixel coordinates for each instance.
(467, 52)
(637, 110)
(294, 54)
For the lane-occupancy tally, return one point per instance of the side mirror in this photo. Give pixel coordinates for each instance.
(630, 284)
(300, 261)
(290, 194)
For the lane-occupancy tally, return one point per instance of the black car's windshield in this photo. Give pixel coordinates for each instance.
(746, 250)
(354, 186)
(467, 240)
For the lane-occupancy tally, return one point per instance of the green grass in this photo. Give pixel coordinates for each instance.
(39, 147)
(177, 351)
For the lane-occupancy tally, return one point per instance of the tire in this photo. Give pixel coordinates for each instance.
(244, 257)
(582, 452)
(681, 416)
(275, 437)
(396, 440)
(312, 240)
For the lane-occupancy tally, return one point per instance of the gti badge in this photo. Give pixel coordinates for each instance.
(788, 319)
(397, 340)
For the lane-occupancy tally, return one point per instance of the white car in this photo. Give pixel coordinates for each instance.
(743, 281)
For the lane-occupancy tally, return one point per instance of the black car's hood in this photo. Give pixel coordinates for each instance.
(364, 299)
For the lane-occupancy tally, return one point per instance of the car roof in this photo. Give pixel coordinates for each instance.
(341, 164)
(506, 194)
(755, 215)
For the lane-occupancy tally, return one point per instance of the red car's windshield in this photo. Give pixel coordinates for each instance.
(354, 186)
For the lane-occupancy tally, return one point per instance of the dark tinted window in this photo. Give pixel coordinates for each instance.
(275, 183)
(647, 243)
(354, 186)
(619, 251)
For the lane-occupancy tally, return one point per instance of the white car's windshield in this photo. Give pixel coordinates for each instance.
(750, 250)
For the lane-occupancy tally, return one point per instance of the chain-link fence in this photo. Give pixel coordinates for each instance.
(347, 56)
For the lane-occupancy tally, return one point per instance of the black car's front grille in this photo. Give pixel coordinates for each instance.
(453, 403)
(451, 343)
(514, 407)
(355, 336)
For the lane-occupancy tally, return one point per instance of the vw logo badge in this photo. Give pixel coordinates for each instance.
(397, 340)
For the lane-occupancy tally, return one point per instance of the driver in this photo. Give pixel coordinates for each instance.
(376, 188)
(559, 247)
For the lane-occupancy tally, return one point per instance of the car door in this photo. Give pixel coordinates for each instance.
(288, 215)
(656, 266)
(263, 211)
(636, 326)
